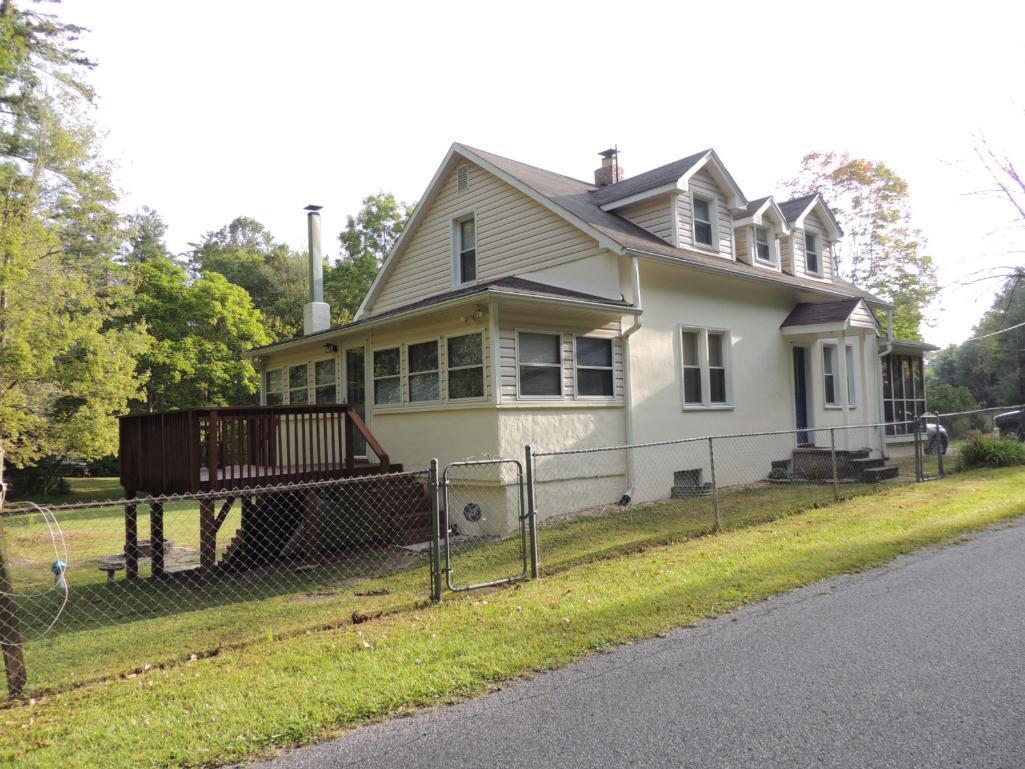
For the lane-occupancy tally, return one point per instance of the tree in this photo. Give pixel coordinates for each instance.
(67, 358)
(366, 240)
(881, 250)
(200, 329)
(246, 253)
(146, 231)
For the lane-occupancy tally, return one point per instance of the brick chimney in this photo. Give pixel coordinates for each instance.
(610, 171)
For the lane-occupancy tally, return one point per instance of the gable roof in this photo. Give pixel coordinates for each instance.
(572, 199)
(670, 173)
(756, 208)
(507, 286)
(813, 313)
(797, 209)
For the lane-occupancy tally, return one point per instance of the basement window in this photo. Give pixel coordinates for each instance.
(299, 384)
(273, 387)
(387, 378)
(424, 377)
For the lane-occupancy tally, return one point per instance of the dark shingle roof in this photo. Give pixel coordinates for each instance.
(753, 206)
(575, 197)
(509, 284)
(649, 180)
(813, 313)
(795, 207)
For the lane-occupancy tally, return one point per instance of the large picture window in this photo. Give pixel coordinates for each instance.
(387, 377)
(594, 367)
(705, 358)
(424, 376)
(299, 384)
(274, 387)
(540, 364)
(465, 366)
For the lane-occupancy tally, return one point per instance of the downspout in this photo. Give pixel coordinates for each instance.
(631, 473)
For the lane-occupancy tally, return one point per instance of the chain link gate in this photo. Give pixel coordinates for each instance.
(476, 502)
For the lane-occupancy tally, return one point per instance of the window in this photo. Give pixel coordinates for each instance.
(540, 364)
(594, 367)
(299, 384)
(851, 378)
(705, 359)
(703, 234)
(424, 376)
(811, 254)
(324, 388)
(763, 246)
(903, 391)
(273, 386)
(829, 373)
(465, 366)
(387, 380)
(466, 250)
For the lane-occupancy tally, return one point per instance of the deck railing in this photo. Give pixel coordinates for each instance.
(236, 447)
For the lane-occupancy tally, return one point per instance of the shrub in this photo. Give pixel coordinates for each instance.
(105, 467)
(45, 478)
(988, 451)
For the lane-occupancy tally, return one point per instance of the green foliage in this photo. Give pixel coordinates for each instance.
(366, 240)
(200, 330)
(880, 251)
(44, 478)
(989, 451)
(949, 399)
(992, 369)
(246, 254)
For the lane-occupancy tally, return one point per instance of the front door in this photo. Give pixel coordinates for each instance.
(801, 394)
(356, 390)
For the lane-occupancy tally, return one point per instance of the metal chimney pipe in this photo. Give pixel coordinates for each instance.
(316, 261)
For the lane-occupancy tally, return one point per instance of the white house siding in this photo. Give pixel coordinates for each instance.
(514, 235)
(598, 275)
(742, 243)
(703, 184)
(862, 317)
(813, 224)
(786, 252)
(655, 215)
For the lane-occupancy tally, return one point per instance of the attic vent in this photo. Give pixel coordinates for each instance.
(462, 178)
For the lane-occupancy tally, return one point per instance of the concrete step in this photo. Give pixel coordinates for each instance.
(877, 474)
(867, 463)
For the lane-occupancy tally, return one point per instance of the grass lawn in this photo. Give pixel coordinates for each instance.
(82, 490)
(281, 691)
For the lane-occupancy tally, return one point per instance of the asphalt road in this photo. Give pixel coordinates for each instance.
(918, 664)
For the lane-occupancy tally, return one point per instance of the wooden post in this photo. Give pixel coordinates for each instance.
(311, 525)
(350, 446)
(131, 537)
(10, 629)
(207, 536)
(156, 537)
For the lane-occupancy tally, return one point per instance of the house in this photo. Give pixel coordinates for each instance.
(521, 306)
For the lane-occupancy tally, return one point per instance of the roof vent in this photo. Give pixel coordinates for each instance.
(462, 178)
(610, 171)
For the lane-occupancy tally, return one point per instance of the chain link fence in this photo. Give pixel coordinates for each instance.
(947, 433)
(107, 588)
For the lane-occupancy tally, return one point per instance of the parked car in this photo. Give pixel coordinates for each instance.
(936, 438)
(1011, 424)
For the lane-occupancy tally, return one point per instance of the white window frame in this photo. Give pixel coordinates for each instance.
(372, 400)
(577, 367)
(816, 237)
(561, 365)
(713, 214)
(773, 260)
(706, 403)
(288, 383)
(313, 379)
(836, 403)
(457, 275)
(266, 389)
(482, 366)
(407, 372)
(850, 362)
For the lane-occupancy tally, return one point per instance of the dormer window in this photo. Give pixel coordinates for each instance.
(466, 250)
(763, 245)
(703, 231)
(812, 258)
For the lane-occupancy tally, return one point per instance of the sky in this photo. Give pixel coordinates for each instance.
(213, 110)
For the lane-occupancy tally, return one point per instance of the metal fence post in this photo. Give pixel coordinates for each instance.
(535, 550)
(715, 484)
(436, 573)
(10, 631)
(939, 448)
(832, 458)
(919, 460)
